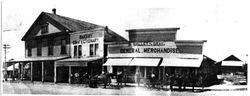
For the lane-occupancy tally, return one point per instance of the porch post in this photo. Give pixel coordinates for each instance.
(13, 74)
(159, 70)
(31, 71)
(42, 71)
(145, 72)
(164, 73)
(21, 74)
(69, 74)
(55, 72)
(19, 70)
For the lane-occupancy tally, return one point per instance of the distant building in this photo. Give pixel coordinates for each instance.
(230, 65)
(56, 47)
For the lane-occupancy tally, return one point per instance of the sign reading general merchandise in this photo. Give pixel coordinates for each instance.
(151, 47)
(144, 49)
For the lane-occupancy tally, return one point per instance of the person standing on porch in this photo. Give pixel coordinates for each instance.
(138, 77)
(119, 78)
(104, 78)
(152, 79)
(172, 80)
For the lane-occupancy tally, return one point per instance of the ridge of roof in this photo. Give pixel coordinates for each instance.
(71, 23)
(232, 58)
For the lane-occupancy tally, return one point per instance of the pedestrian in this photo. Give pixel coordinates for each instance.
(172, 80)
(125, 75)
(152, 79)
(167, 79)
(109, 78)
(179, 80)
(76, 78)
(119, 78)
(138, 77)
(72, 78)
(85, 78)
(185, 80)
(104, 78)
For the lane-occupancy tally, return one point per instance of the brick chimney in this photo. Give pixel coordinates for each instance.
(54, 11)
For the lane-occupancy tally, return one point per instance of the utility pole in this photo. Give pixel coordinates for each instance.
(5, 47)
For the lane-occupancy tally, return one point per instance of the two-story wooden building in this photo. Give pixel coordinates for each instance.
(57, 46)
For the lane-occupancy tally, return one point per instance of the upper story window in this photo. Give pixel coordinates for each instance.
(50, 46)
(93, 49)
(75, 51)
(78, 51)
(63, 47)
(29, 48)
(39, 47)
(44, 28)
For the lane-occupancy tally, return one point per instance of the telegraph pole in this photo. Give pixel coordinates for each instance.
(5, 47)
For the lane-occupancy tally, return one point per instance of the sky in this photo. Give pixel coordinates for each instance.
(223, 23)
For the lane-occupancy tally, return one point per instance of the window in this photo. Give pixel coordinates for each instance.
(39, 48)
(93, 49)
(75, 50)
(79, 50)
(50, 46)
(63, 46)
(29, 49)
(44, 28)
(96, 48)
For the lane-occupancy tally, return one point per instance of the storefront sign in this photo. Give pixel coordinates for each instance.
(83, 41)
(85, 38)
(151, 47)
(149, 50)
(144, 49)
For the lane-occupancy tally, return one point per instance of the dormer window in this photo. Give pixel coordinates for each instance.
(44, 28)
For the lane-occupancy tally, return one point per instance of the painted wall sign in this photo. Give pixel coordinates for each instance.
(144, 49)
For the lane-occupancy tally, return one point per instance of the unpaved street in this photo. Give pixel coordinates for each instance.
(50, 88)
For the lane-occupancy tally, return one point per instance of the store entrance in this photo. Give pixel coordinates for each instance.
(62, 74)
(37, 71)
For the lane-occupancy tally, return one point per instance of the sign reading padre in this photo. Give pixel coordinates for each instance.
(151, 47)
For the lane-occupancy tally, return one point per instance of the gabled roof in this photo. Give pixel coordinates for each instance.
(67, 24)
(111, 36)
(232, 58)
(72, 24)
(208, 58)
